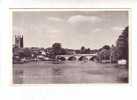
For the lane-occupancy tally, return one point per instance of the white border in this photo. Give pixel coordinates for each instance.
(75, 9)
(61, 92)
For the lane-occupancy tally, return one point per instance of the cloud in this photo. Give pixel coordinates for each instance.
(117, 28)
(97, 30)
(83, 24)
(54, 19)
(18, 29)
(53, 31)
(82, 18)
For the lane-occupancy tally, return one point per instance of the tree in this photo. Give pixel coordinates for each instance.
(122, 44)
(87, 51)
(27, 53)
(107, 47)
(82, 50)
(114, 54)
(56, 46)
(56, 50)
(104, 53)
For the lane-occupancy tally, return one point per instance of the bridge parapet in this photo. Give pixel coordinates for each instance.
(77, 56)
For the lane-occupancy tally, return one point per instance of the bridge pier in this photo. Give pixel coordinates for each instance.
(76, 57)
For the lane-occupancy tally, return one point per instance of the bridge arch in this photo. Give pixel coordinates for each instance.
(94, 58)
(61, 58)
(82, 58)
(72, 58)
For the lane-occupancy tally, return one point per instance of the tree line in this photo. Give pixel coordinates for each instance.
(115, 53)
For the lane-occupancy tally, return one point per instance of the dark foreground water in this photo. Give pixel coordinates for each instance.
(69, 72)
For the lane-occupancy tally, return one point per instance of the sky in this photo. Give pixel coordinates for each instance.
(73, 29)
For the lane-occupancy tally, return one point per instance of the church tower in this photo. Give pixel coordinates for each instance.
(19, 41)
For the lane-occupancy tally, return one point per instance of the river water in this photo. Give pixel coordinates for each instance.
(68, 72)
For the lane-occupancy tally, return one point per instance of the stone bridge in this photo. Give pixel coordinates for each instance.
(78, 57)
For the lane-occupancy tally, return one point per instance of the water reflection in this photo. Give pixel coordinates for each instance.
(57, 71)
(58, 74)
(89, 72)
(18, 76)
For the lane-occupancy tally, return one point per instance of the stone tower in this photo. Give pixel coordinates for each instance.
(19, 41)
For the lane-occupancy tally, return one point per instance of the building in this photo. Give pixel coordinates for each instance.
(19, 41)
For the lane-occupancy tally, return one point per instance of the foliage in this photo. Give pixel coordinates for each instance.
(104, 54)
(83, 50)
(122, 44)
(56, 46)
(107, 47)
(56, 50)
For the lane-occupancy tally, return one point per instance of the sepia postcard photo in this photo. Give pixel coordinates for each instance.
(70, 46)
